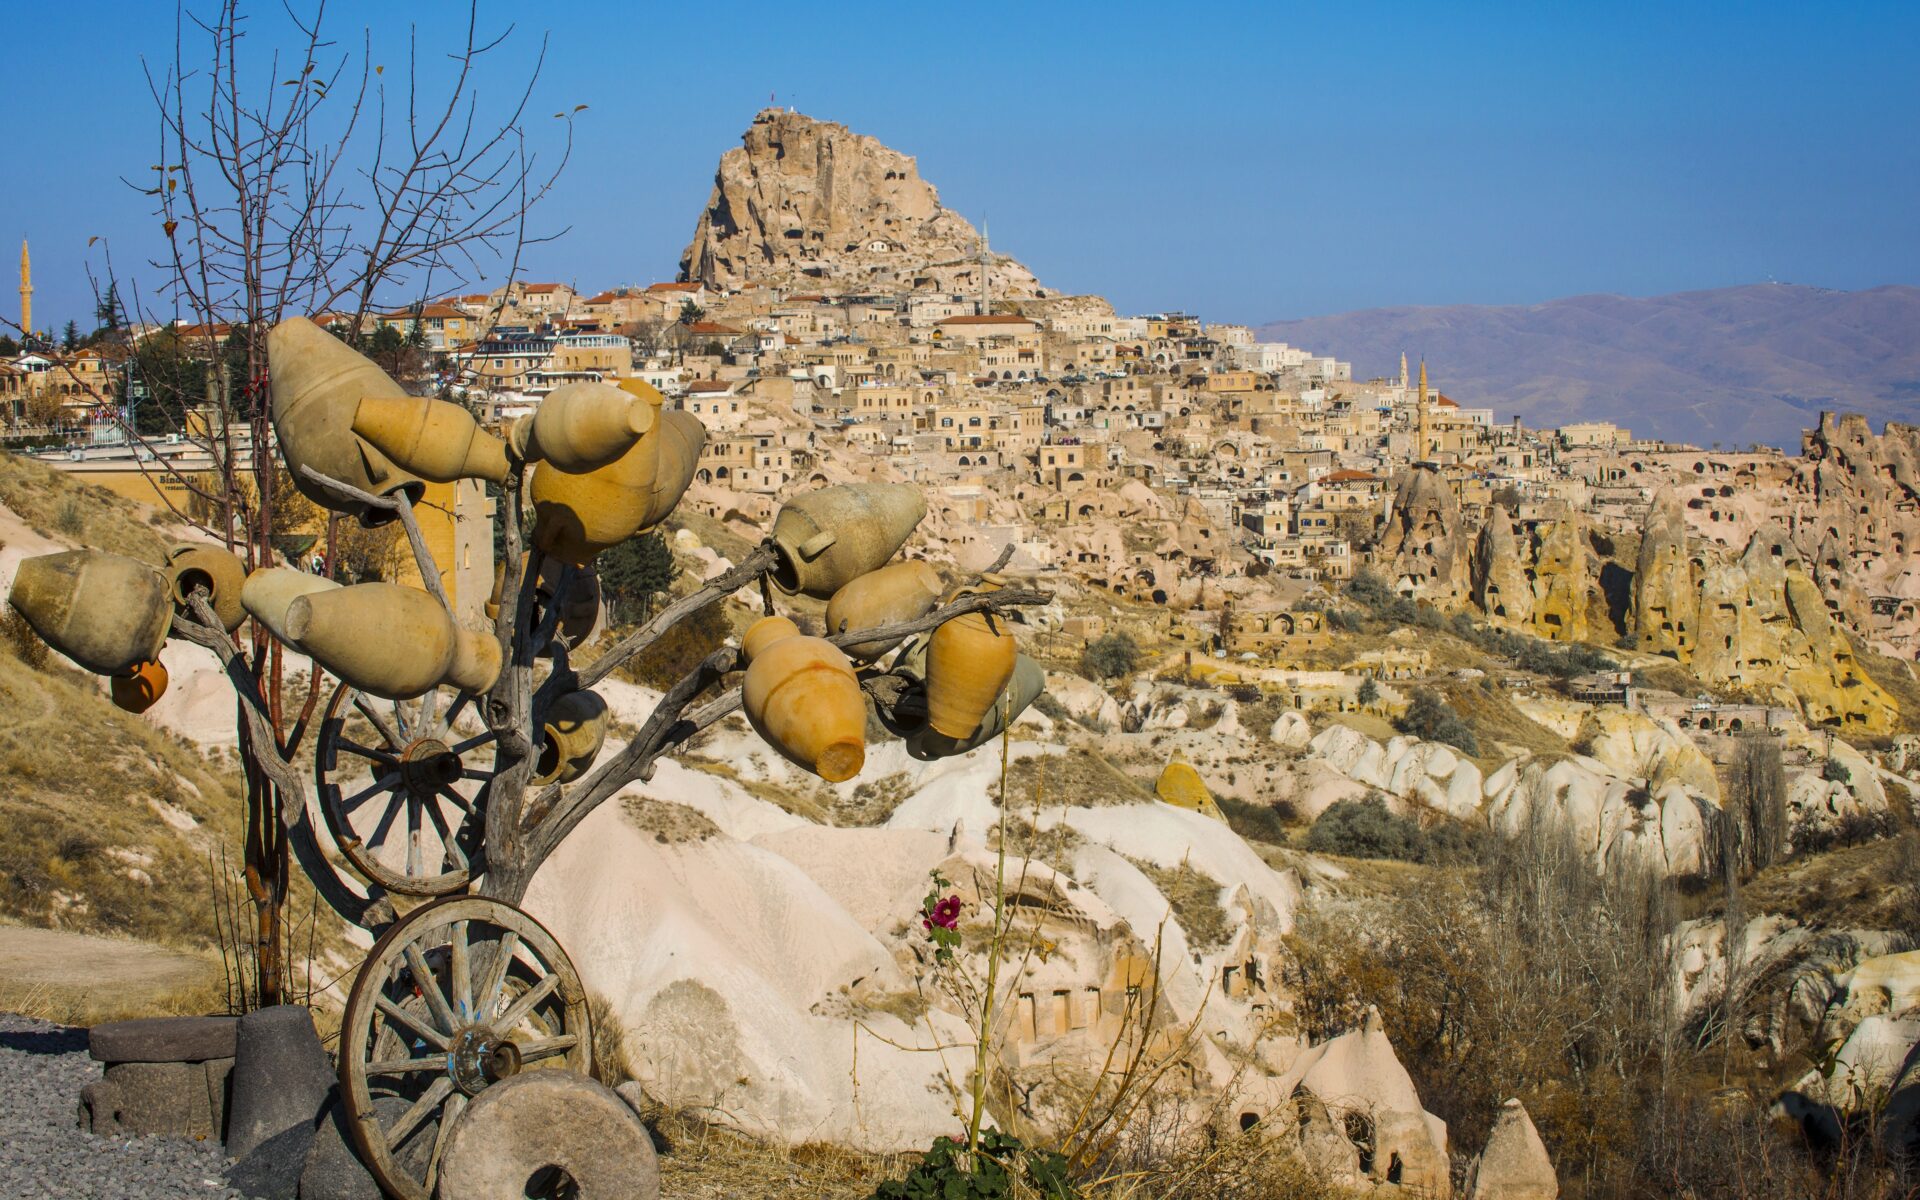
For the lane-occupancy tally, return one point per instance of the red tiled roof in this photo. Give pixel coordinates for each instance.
(1440, 401)
(675, 287)
(710, 385)
(1349, 476)
(544, 287)
(713, 329)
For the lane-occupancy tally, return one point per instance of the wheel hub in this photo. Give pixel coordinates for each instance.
(477, 1057)
(428, 765)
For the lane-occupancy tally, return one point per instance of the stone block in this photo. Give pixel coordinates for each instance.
(271, 1170)
(142, 1099)
(163, 1040)
(280, 1076)
(522, 1131)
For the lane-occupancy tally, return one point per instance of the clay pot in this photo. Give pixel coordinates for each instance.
(219, 571)
(682, 437)
(899, 592)
(802, 697)
(434, 439)
(1028, 681)
(318, 382)
(969, 659)
(270, 590)
(571, 737)
(138, 692)
(583, 426)
(582, 615)
(106, 612)
(828, 538)
(391, 641)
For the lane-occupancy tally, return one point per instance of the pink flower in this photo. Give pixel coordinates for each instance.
(945, 914)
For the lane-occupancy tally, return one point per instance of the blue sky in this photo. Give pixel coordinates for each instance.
(1247, 162)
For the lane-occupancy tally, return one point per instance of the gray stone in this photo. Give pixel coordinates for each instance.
(163, 1040)
(180, 1099)
(542, 1121)
(333, 1170)
(280, 1076)
(271, 1171)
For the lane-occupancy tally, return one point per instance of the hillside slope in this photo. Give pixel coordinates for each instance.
(1732, 365)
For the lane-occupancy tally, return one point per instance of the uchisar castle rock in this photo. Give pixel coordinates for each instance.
(1340, 591)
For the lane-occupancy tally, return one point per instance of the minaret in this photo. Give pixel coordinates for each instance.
(1403, 370)
(986, 298)
(26, 290)
(1424, 446)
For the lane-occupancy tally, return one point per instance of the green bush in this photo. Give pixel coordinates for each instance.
(1836, 772)
(1430, 719)
(1110, 657)
(1369, 829)
(1000, 1162)
(1366, 829)
(1369, 691)
(1257, 822)
(632, 574)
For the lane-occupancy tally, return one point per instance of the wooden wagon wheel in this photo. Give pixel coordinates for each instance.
(461, 993)
(403, 788)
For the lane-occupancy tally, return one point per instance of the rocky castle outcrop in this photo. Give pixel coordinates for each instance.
(810, 203)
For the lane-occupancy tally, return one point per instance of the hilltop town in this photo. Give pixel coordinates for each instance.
(1341, 592)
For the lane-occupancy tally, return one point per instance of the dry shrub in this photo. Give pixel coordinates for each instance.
(610, 1064)
(679, 650)
(1194, 897)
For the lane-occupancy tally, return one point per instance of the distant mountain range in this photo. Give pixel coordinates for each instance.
(1732, 365)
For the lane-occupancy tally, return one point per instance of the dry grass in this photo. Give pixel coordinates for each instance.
(1076, 776)
(1871, 886)
(83, 1003)
(872, 801)
(54, 502)
(1194, 897)
(667, 821)
(809, 806)
(698, 1159)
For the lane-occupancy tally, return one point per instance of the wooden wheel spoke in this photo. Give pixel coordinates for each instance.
(461, 802)
(414, 853)
(529, 999)
(482, 773)
(380, 831)
(422, 1108)
(420, 1029)
(496, 983)
(380, 723)
(460, 966)
(429, 985)
(450, 851)
(456, 1104)
(384, 783)
(380, 756)
(407, 1066)
(459, 706)
(474, 742)
(549, 1047)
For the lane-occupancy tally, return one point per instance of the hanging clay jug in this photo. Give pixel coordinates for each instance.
(1028, 681)
(391, 641)
(571, 737)
(582, 427)
(969, 659)
(106, 612)
(318, 382)
(682, 437)
(826, 539)
(434, 439)
(270, 590)
(581, 617)
(139, 691)
(803, 699)
(218, 570)
(894, 593)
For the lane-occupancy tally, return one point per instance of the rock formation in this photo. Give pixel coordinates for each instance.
(1537, 581)
(1864, 524)
(1514, 1166)
(1757, 623)
(1424, 545)
(810, 203)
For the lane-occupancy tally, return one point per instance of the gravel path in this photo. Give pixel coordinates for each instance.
(44, 1154)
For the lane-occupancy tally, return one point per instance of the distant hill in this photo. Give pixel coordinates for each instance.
(1732, 365)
